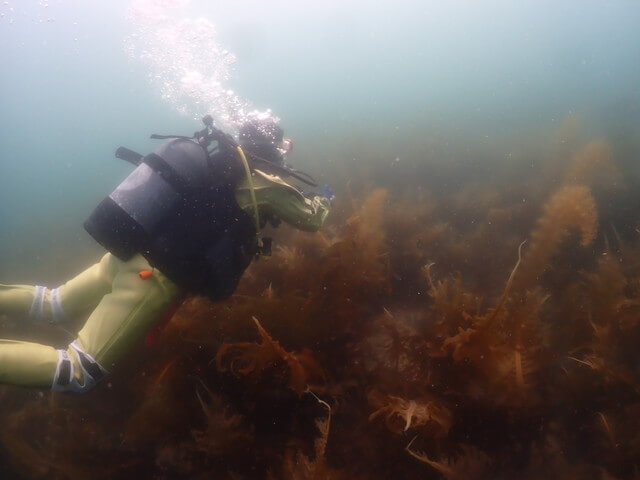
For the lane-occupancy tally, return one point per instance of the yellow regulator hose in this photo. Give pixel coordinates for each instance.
(253, 192)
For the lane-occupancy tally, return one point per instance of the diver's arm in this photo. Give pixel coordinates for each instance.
(285, 201)
(303, 213)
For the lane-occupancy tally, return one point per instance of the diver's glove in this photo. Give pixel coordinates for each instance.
(327, 192)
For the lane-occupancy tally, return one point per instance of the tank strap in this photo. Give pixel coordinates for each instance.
(155, 136)
(160, 165)
(129, 155)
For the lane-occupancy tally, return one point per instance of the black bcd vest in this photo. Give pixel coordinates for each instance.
(178, 210)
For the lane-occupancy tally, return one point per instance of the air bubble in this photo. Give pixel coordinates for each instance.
(171, 47)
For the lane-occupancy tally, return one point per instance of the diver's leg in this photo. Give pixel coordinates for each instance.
(78, 295)
(27, 364)
(16, 300)
(33, 365)
(119, 322)
(83, 292)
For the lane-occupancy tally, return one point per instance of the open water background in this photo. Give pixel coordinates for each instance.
(360, 81)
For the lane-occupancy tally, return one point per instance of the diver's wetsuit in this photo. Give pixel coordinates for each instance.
(125, 305)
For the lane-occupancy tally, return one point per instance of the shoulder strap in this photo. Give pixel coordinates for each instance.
(160, 165)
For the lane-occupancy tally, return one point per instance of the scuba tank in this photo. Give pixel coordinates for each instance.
(178, 210)
(182, 217)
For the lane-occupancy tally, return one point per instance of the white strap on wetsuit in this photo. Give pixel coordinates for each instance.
(64, 379)
(64, 372)
(57, 313)
(37, 306)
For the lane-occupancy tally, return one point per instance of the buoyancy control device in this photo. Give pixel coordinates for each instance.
(177, 209)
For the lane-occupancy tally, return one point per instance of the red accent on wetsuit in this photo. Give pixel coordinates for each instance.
(154, 333)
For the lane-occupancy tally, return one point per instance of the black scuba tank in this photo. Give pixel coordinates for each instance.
(178, 210)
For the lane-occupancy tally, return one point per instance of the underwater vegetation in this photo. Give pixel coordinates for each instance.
(488, 331)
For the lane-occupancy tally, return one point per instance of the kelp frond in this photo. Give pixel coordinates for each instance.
(245, 358)
(471, 464)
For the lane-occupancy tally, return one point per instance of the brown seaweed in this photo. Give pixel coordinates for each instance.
(444, 345)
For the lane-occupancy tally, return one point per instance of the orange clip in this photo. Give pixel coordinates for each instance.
(144, 274)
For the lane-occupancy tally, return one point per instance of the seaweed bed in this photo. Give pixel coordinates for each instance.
(488, 330)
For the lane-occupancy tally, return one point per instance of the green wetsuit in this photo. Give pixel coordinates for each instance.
(124, 305)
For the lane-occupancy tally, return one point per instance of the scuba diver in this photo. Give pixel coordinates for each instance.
(187, 220)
